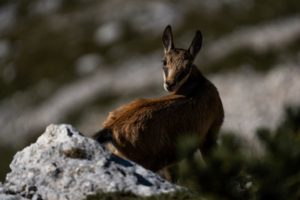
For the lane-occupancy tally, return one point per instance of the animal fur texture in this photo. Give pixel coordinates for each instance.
(146, 130)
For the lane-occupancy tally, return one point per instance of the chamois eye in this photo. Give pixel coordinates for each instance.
(164, 62)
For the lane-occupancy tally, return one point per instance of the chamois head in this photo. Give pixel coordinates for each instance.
(177, 63)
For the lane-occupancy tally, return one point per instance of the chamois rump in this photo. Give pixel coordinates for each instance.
(146, 130)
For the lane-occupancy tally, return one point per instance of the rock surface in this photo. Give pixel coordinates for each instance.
(63, 164)
(4, 195)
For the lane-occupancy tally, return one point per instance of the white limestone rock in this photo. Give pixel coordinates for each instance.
(63, 164)
(5, 196)
(11, 197)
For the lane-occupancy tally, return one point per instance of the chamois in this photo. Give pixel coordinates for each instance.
(146, 130)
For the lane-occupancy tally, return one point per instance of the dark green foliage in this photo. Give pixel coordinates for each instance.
(222, 175)
(230, 173)
(278, 172)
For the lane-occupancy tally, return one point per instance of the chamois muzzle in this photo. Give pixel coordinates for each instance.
(170, 86)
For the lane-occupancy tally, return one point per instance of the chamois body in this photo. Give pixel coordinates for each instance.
(146, 130)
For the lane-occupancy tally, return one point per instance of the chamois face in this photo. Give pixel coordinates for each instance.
(176, 68)
(177, 63)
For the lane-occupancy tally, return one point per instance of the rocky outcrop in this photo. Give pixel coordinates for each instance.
(63, 164)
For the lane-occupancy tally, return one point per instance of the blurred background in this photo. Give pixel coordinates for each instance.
(73, 61)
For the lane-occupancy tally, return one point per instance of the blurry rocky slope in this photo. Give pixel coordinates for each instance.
(73, 62)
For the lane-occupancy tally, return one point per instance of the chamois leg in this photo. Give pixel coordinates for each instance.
(209, 144)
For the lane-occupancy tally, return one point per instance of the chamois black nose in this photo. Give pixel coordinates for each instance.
(170, 86)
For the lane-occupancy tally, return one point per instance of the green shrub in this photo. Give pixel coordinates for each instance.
(230, 173)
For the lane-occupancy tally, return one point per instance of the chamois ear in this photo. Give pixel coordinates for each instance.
(196, 44)
(167, 39)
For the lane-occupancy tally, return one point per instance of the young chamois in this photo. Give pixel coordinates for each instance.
(146, 130)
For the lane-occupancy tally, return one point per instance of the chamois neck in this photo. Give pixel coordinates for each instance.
(192, 84)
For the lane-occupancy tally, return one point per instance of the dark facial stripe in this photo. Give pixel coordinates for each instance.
(182, 74)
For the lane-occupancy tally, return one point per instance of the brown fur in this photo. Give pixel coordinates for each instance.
(146, 130)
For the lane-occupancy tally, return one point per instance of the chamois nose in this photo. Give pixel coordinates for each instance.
(170, 85)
